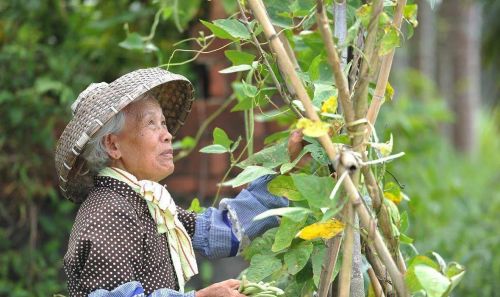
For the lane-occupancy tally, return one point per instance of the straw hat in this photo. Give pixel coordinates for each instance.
(99, 103)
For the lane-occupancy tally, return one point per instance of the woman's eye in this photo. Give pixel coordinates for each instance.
(164, 123)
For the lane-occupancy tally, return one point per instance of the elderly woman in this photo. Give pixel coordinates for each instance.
(129, 237)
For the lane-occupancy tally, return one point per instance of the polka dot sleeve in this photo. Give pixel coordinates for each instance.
(188, 220)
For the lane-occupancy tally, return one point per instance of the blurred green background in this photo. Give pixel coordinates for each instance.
(51, 50)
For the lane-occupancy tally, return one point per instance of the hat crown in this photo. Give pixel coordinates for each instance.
(90, 91)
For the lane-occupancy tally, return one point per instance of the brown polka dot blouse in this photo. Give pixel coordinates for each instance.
(114, 240)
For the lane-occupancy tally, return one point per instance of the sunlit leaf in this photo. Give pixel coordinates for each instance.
(429, 279)
(237, 68)
(313, 129)
(214, 149)
(195, 206)
(325, 230)
(269, 157)
(294, 213)
(389, 41)
(410, 14)
(283, 185)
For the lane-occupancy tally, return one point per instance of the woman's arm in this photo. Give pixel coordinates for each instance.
(225, 231)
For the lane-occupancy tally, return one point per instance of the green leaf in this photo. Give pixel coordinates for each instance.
(237, 68)
(220, 137)
(187, 142)
(296, 258)
(262, 266)
(276, 137)
(428, 279)
(455, 272)
(214, 149)
(318, 153)
(294, 213)
(315, 189)
(218, 31)
(289, 166)
(286, 233)
(363, 14)
(249, 174)
(389, 41)
(320, 71)
(134, 41)
(322, 92)
(234, 27)
(410, 14)
(195, 206)
(269, 157)
(250, 90)
(260, 245)
(239, 57)
(284, 186)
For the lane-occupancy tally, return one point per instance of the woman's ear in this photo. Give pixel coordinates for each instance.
(112, 146)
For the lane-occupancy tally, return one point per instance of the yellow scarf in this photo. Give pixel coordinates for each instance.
(164, 212)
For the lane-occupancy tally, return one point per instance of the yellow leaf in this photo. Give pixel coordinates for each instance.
(330, 105)
(393, 197)
(389, 91)
(325, 230)
(313, 129)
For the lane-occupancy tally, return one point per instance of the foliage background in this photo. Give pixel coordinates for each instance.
(51, 50)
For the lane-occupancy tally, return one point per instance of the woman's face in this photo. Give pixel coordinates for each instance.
(144, 146)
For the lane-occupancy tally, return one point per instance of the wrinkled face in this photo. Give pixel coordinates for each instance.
(144, 146)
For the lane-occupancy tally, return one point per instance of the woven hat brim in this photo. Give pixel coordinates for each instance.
(174, 93)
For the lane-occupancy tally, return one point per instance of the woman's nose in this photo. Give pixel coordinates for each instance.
(166, 136)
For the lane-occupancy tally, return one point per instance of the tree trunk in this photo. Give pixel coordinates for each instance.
(461, 25)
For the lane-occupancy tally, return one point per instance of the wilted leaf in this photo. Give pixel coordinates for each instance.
(313, 129)
(296, 258)
(325, 230)
(283, 185)
(393, 192)
(330, 105)
(249, 174)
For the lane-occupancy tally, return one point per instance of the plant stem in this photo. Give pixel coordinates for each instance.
(375, 283)
(334, 61)
(385, 69)
(333, 247)
(275, 80)
(346, 270)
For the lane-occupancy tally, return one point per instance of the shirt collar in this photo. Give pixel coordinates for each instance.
(124, 190)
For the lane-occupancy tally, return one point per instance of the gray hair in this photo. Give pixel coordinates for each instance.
(95, 152)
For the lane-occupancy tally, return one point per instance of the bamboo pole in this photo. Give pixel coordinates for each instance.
(333, 247)
(385, 69)
(375, 283)
(284, 62)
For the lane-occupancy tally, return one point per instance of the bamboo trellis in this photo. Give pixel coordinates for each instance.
(359, 119)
